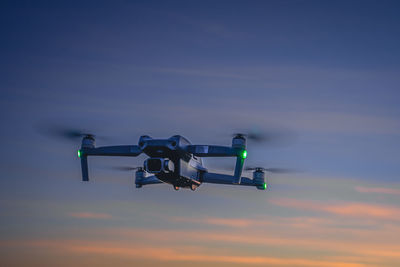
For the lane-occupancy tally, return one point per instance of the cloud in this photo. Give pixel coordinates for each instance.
(370, 244)
(318, 239)
(259, 221)
(351, 209)
(230, 222)
(90, 215)
(378, 190)
(169, 254)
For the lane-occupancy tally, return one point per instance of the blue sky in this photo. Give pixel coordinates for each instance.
(326, 71)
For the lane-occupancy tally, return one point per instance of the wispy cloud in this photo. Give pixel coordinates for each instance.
(90, 215)
(378, 190)
(172, 253)
(344, 244)
(230, 222)
(297, 222)
(352, 209)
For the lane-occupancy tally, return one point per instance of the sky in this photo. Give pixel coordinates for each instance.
(326, 72)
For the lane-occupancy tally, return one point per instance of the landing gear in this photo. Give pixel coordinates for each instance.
(193, 187)
(176, 187)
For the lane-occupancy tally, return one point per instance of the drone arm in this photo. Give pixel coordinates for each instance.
(222, 151)
(84, 152)
(216, 178)
(238, 169)
(127, 151)
(84, 166)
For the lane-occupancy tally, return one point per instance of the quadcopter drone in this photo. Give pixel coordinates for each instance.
(177, 162)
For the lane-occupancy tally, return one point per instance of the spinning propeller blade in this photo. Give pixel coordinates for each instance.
(126, 168)
(65, 133)
(273, 170)
(270, 137)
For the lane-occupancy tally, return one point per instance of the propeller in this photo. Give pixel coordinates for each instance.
(71, 134)
(65, 133)
(231, 167)
(271, 137)
(126, 168)
(273, 170)
(251, 136)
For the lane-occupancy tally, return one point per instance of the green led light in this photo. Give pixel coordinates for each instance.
(79, 153)
(265, 186)
(244, 154)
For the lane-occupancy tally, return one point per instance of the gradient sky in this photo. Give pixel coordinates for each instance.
(328, 72)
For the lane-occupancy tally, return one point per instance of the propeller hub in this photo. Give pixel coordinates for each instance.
(90, 136)
(239, 141)
(239, 135)
(88, 141)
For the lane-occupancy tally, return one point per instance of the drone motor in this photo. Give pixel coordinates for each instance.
(88, 141)
(259, 179)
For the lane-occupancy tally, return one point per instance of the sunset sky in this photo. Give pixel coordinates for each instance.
(327, 72)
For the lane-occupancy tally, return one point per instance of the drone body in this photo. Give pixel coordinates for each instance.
(176, 161)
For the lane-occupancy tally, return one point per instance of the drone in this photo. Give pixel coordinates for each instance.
(177, 162)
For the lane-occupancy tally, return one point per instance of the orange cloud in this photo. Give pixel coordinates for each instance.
(269, 221)
(232, 222)
(90, 215)
(379, 190)
(367, 247)
(367, 244)
(344, 209)
(172, 254)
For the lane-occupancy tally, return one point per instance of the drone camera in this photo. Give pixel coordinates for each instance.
(158, 165)
(153, 165)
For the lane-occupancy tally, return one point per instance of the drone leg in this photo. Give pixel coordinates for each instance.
(85, 171)
(238, 170)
